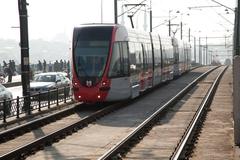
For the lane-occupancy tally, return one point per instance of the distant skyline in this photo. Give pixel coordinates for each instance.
(51, 18)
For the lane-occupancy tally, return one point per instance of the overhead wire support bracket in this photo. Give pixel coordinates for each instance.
(131, 8)
(223, 5)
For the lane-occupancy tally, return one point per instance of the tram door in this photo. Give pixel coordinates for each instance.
(119, 73)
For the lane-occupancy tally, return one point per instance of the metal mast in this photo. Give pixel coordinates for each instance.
(23, 17)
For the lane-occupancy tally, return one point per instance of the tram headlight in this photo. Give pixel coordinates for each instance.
(104, 83)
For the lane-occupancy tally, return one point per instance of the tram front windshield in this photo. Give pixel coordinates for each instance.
(91, 48)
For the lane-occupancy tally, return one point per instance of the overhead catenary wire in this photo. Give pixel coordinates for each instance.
(220, 15)
(131, 8)
(136, 10)
(225, 18)
(166, 21)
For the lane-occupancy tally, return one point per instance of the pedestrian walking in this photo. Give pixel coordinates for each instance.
(10, 73)
(44, 65)
(39, 65)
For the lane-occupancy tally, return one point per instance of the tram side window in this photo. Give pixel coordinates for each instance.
(119, 63)
(149, 56)
(125, 58)
(115, 66)
(157, 55)
(144, 57)
(171, 57)
(164, 57)
(139, 56)
(132, 58)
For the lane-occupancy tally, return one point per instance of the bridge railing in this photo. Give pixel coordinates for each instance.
(42, 100)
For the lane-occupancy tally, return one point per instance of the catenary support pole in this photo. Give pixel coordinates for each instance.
(115, 12)
(23, 18)
(195, 58)
(200, 51)
(150, 16)
(181, 29)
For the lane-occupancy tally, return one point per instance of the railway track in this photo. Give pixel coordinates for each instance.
(183, 150)
(32, 136)
(215, 141)
(26, 143)
(144, 128)
(91, 142)
(173, 133)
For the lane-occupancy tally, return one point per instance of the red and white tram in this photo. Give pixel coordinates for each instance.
(111, 63)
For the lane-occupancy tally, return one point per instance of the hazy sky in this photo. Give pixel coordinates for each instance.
(47, 18)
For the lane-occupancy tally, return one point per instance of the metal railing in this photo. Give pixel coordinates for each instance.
(16, 107)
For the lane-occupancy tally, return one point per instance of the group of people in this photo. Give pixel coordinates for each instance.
(42, 66)
(8, 69)
(57, 66)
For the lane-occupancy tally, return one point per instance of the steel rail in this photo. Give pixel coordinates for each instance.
(39, 143)
(180, 149)
(115, 150)
(23, 128)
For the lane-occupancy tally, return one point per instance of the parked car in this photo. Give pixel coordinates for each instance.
(64, 74)
(4, 94)
(43, 82)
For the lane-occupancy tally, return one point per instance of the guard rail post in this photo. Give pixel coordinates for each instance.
(65, 96)
(39, 101)
(4, 110)
(48, 95)
(57, 97)
(27, 99)
(17, 106)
